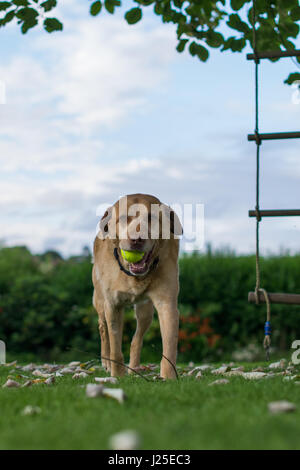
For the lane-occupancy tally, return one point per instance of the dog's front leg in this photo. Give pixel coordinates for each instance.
(144, 316)
(169, 323)
(114, 320)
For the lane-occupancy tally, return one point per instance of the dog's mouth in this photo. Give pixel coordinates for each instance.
(142, 266)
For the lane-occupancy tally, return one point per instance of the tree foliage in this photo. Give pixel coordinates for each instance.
(199, 23)
(27, 13)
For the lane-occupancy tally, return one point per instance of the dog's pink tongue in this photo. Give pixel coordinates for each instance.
(137, 269)
(140, 266)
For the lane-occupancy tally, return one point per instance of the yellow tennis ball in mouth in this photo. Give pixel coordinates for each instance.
(132, 256)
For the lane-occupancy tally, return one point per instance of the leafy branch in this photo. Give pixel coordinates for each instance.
(198, 22)
(27, 13)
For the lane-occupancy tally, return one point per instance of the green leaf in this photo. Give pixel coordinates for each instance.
(158, 8)
(20, 3)
(95, 8)
(133, 16)
(4, 5)
(289, 44)
(7, 18)
(111, 4)
(236, 23)
(192, 48)
(145, 3)
(238, 4)
(289, 3)
(28, 25)
(238, 45)
(200, 51)
(235, 45)
(49, 4)
(292, 78)
(295, 14)
(181, 45)
(289, 29)
(27, 14)
(178, 3)
(214, 39)
(52, 24)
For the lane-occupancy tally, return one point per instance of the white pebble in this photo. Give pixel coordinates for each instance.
(74, 364)
(102, 380)
(31, 410)
(278, 365)
(94, 390)
(10, 364)
(204, 367)
(220, 382)
(281, 407)
(28, 383)
(199, 368)
(125, 440)
(50, 380)
(233, 373)
(11, 384)
(254, 375)
(116, 393)
(221, 370)
(38, 373)
(67, 370)
(80, 375)
(29, 367)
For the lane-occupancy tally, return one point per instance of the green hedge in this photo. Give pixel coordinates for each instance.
(217, 285)
(46, 307)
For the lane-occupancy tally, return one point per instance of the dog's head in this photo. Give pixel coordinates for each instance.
(139, 223)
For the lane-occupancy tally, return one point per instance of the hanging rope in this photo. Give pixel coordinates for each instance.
(258, 289)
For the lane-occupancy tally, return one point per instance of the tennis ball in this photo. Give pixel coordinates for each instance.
(132, 256)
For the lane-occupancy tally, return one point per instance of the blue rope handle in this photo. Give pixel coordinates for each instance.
(268, 328)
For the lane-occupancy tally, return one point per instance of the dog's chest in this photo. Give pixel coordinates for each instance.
(131, 296)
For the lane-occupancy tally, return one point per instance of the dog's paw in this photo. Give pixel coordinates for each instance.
(167, 371)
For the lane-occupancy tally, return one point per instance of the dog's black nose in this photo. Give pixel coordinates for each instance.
(137, 243)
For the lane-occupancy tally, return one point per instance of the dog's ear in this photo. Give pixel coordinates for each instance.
(103, 225)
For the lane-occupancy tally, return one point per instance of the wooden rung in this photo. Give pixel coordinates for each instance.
(275, 135)
(276, 298)
(274, 54)
(276, 213)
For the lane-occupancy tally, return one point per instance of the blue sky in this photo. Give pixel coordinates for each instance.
(106, 109)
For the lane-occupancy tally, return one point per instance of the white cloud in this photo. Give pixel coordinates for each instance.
(70, 94)
(63, 93)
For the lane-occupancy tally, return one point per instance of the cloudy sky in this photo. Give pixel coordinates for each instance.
(105, 109)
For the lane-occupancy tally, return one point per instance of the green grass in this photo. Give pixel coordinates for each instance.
(184, 414)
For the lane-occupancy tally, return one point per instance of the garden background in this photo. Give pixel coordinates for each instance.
(46, 306)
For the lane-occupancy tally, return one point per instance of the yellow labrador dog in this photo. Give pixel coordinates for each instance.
(137, 223)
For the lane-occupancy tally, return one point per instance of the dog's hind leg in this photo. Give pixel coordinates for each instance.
(105, 348)
(144, 316)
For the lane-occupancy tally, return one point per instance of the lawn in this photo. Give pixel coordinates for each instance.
(183, 414)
